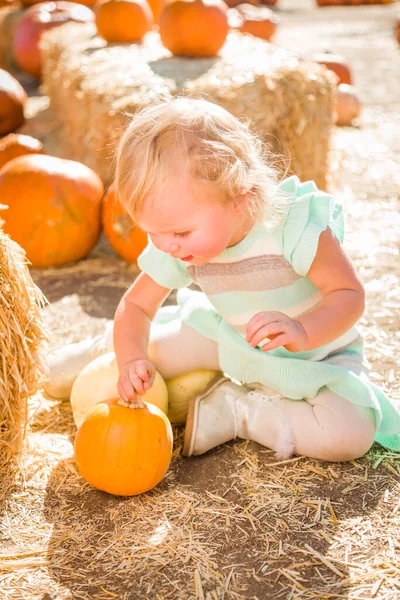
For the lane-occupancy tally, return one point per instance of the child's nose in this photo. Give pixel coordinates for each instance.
(173, 248)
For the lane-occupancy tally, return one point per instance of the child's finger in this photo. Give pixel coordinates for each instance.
(141, 370)
(126, 391)
(280, 340)
(266, 332)
(260, 320)
(136, 382)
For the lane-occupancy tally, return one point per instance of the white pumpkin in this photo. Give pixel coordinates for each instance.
(97, 382)
(182, 388)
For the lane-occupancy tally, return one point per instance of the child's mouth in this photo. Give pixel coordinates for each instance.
(187, 258)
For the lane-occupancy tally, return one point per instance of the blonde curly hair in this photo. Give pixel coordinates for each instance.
(218, 148)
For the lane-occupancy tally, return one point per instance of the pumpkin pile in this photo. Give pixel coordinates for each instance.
(124, 450)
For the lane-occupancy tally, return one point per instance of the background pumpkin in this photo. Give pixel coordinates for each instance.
(124, 451)
(127, 239)
(35, 21)
(259, 21)
(123, 20)
(12, 102)
(348, 106)
(335, 63)
(60, 201)
(194, 27)
(97, 382)
(16, 144)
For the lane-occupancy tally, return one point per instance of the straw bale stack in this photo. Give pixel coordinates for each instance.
(21, 339)
(9, 17)
(97, 87)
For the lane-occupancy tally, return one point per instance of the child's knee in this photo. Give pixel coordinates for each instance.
(352, 440)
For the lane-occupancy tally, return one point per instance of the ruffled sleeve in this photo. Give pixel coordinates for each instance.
(167, 271)
(310, 212)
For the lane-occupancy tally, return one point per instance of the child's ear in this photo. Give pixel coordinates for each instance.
(241, 203)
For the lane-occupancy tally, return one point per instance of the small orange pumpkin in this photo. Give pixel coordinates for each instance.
(259, 21)
(194, 27)
(16, 144)
(123, 20)
(127, 239)
(53, 208)
(335, 63)
(123, 451)
(348, 105)
(12, 102)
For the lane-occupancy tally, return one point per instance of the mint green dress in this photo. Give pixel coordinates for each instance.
(267, 271)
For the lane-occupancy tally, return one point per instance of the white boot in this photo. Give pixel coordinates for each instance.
(66, 362)
(225, 411)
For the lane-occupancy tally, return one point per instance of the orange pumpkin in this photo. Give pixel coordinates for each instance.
(123, 451)
(194, 27)
(53, 208)
(348, 105)
(16, 144)
(34, 22)
(127, 239)
(335, 63)
(259, 21)
(12, 102)
(123, 20)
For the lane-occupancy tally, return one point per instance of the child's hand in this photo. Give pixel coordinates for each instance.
(277, 327)
(135, 378)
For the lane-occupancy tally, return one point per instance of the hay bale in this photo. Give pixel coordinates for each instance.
(97, 87)
(21, 339)
(9, 17)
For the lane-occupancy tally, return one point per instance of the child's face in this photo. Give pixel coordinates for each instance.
(189, 221)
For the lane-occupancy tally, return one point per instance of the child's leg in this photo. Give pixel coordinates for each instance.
(174, 349)
(326, 427)
(329, 427)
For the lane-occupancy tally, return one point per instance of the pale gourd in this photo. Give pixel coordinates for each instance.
(97, 382)
(184, 387)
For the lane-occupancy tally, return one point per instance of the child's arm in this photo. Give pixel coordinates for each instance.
(132, 320)
(341, 306)
(343, 294)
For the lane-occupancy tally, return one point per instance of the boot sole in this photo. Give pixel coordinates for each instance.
(193, 413)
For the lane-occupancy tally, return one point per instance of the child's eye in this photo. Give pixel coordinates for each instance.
(182, 234)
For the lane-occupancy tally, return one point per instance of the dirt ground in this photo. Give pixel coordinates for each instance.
(231, 524)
